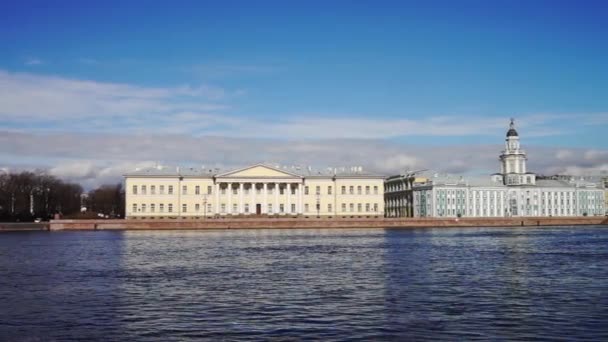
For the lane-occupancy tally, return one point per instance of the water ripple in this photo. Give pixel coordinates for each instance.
(330, 285)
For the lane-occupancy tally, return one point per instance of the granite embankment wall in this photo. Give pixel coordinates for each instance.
(297, 223)
(23, 226)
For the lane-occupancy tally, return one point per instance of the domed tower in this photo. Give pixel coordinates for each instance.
(513, 161)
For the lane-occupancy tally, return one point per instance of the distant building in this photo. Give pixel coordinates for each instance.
(512, 192)
(255, 190)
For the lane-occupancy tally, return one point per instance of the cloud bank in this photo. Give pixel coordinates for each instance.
(93, 132)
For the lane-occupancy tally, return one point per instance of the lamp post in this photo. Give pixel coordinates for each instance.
(318, 204)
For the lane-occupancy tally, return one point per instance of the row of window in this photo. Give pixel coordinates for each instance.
(143, 190)
(143, 208)
(351, 190)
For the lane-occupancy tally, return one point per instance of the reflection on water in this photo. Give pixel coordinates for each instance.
(485, 283)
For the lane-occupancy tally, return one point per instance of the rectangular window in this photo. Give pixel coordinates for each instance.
(343, 190)
(351, 207)
(281, 190)
(235, 191)
(152, 208)
(329, 208)
(359, 207)
(161, 189)
(247, 208)
(270, 208)
(161, 208)
(329, 190)
(235, 208)
(293, 208)
(143, 208)
(375, 190)
(170, 190)
(359, 190)
(143, 190)
(134, 189)
(209, 208)
(223, 191)
(197, 207)
(223, 208)
(343, 207)
(184, 190)
(293, 190)
(281, 208)
(170, 207)
(367, 190)
(375, 207)
(184, 208)
(306, 190)
(367, 206)
(317, 190)
(197, 190)
(134, 207)
(351, 190)
(209, 190)
(152, 190)
(306, 207)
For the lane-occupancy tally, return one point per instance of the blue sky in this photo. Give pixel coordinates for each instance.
(410, 74)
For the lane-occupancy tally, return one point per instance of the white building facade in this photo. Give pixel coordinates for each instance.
(512, 192)
(258, 190)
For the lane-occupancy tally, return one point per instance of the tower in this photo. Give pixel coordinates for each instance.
(513, 161)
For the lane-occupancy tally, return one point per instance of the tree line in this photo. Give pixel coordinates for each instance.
(27, 195)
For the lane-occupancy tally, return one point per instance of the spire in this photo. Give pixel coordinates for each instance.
(512, 132)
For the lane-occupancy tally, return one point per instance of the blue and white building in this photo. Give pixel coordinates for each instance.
(512, 192)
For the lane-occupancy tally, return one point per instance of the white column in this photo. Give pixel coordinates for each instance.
(241, 202)
(265, 195)
(252, 206)
(276, 197)
(302, 198)
(288, 209)
(230, 198)
(299, 201)
(216, 205)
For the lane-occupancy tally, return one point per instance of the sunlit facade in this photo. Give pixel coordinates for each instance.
(258, 190)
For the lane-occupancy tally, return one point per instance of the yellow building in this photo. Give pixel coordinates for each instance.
(260, 190)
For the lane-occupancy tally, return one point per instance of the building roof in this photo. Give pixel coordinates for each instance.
(176, 171)
(512, 132)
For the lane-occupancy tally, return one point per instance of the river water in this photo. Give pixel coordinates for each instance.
(363, 284)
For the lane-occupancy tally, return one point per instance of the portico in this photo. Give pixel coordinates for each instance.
(259, 190)
(247, 197)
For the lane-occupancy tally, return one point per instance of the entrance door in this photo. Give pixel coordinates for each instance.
(258, 209)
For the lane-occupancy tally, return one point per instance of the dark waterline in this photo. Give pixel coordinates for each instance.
(450, 284)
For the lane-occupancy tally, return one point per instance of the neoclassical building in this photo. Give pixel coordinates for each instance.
(261, 190)
(512, 192)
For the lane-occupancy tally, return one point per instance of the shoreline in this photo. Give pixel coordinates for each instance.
(316, 223)
(299, 223)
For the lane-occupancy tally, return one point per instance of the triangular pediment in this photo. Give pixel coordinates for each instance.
(259, 171)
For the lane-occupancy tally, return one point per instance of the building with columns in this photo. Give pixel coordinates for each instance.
(512, 192)
(258, 190)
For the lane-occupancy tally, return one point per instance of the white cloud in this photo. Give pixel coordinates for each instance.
(137, 126)
(101, 158)
(30, 61)
(26, 97)
(64, 104)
